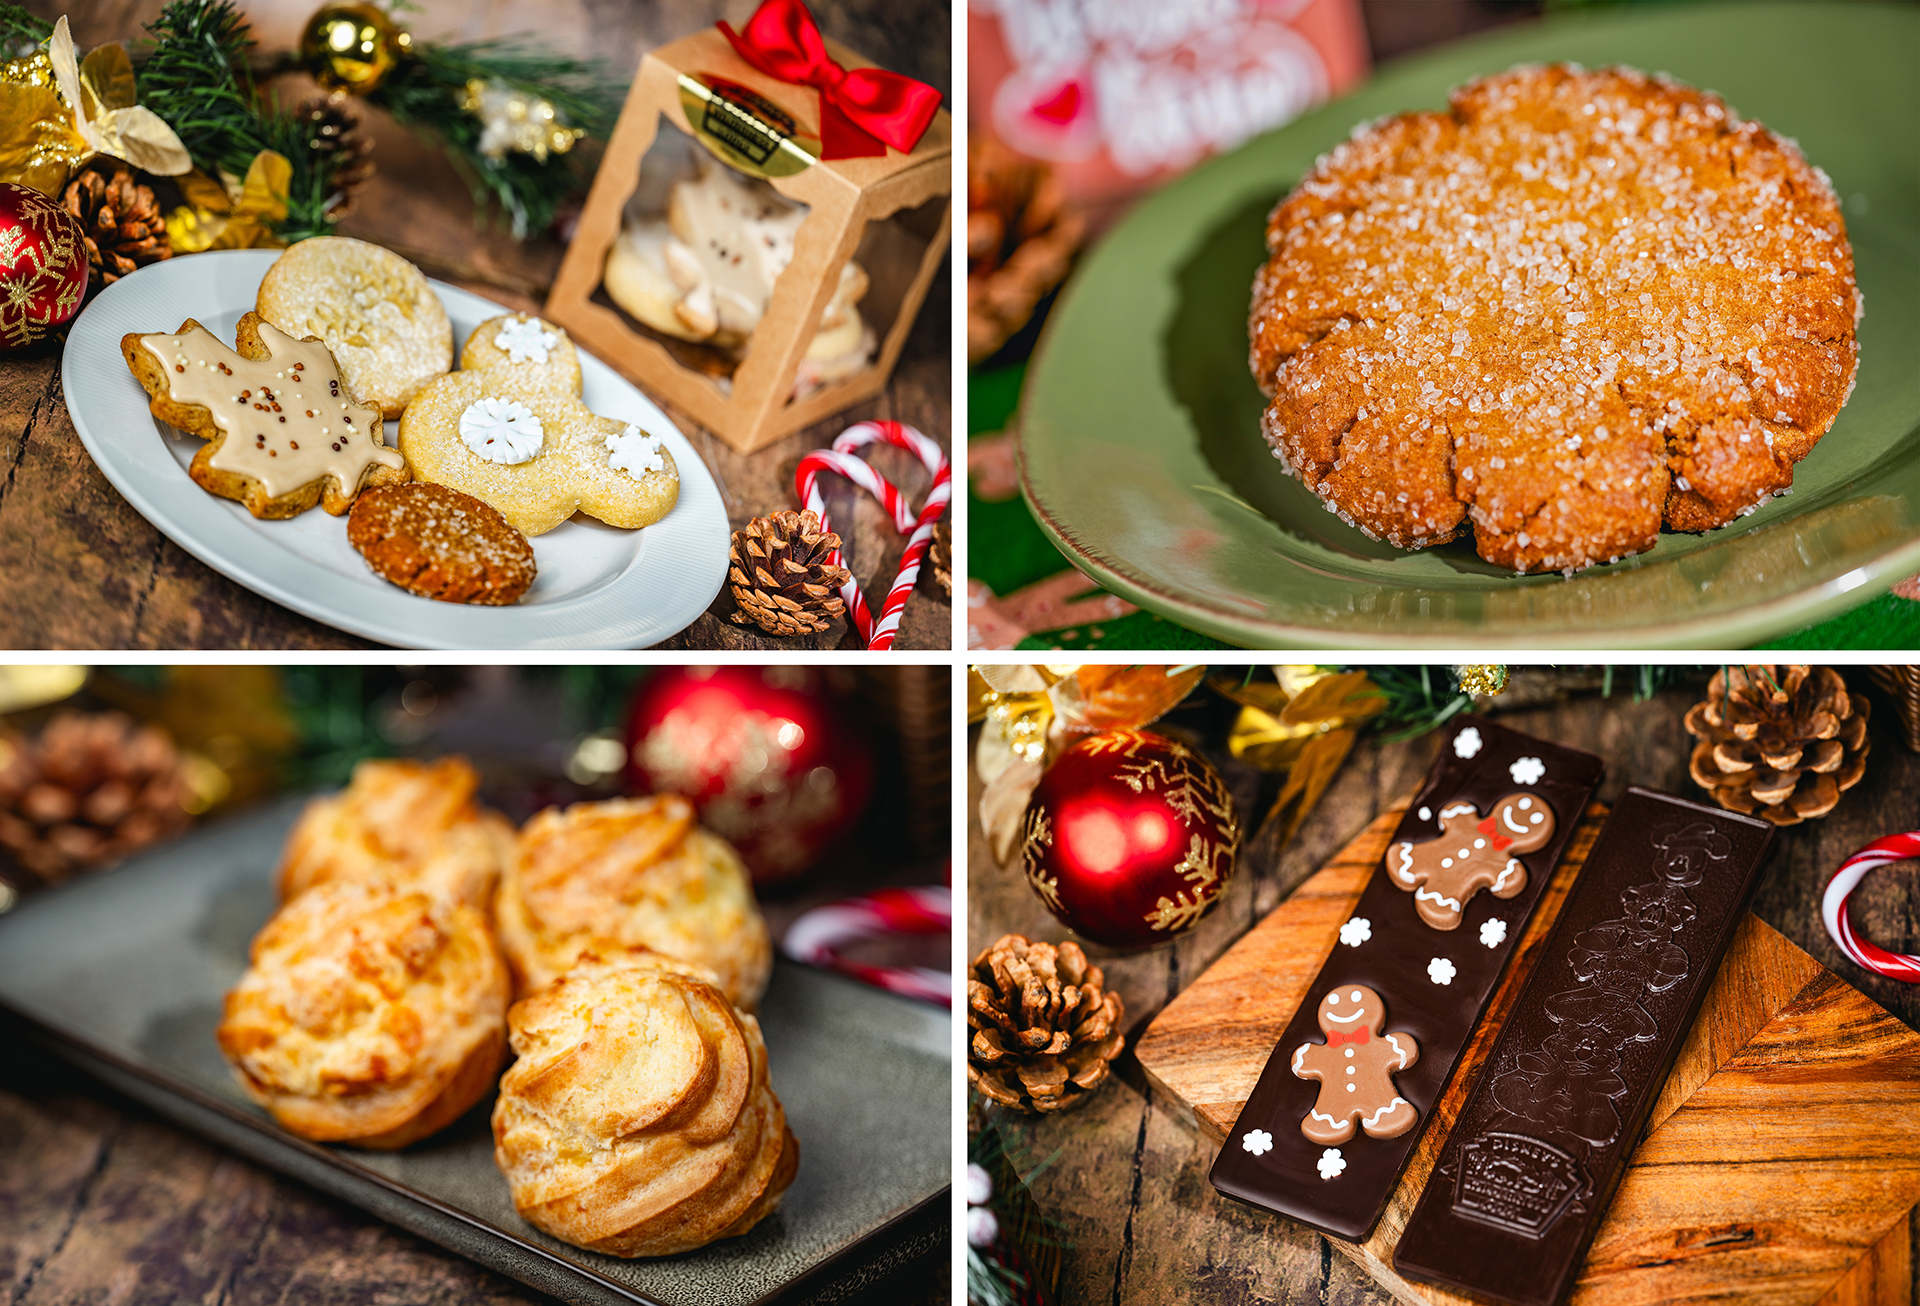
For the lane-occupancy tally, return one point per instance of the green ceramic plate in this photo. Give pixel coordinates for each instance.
(1140, 447)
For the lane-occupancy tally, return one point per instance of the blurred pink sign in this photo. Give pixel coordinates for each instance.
(1119, 94)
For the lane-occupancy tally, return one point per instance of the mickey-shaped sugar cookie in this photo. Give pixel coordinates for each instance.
(1355, 1067)
(1471, 854)
(509, 428)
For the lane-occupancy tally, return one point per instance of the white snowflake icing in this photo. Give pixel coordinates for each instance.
(525, 340)
(636, 452)
(1467, 742)
(501, 430)
(1527, 770)
(1356, 931)
(1440, 971)
(1493, 933)
(1331, 1163)
(1257, 1141)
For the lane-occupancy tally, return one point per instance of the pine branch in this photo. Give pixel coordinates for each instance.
(21, 31)
(423, 94)
(196, 76)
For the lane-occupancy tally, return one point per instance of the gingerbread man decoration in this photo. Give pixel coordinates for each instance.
(1471, 854)
(1355, 1067)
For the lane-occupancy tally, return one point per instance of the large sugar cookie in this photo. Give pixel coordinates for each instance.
(1570, 308)
(510, 430)
(374, 309)
(281, 433)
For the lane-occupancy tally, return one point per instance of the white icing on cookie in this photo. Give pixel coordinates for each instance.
(1374, 1119)
(635, 452)
(501, 430)
(525, 340)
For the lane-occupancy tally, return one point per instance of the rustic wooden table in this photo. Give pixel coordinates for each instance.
(87, 571)
(1128, 1182)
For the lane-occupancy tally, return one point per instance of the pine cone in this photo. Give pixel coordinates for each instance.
(1044, 1026)
(940, 557)
(781, 577)
(91, 789)
(334, 135)
(1781, 742)
(122, 222)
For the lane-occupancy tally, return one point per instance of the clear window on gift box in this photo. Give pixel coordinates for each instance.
(704, 249)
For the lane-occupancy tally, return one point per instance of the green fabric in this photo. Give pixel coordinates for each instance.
(1010, 551)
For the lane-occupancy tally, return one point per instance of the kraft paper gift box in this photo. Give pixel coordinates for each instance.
(892, 212)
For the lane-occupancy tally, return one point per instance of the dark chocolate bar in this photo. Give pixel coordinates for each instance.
(1545, 1133)
(1352, 1080)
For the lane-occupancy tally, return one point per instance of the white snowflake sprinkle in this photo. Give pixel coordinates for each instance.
(1467, 742)
(1356, 931)
(635, 452)
(1257, 1141)
(1493, 933)
(501, 430)
(1527, 770)
(1440, 971)
(1331, 1163)
(525, 340)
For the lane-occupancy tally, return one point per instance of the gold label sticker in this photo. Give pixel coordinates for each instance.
(744, 129)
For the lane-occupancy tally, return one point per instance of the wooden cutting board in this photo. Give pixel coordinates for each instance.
(1782, 1159)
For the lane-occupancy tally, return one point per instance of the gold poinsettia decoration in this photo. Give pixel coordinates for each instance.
(232, 213)
(57, 111)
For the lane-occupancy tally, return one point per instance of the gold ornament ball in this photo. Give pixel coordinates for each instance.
(352, 47)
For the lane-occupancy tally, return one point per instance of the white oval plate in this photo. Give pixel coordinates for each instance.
(598, 587)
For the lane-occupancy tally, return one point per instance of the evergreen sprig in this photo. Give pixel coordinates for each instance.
(196, 75)
(423, 94)
(21, 31)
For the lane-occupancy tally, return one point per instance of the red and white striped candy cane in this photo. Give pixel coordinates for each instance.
(841, 459)
(1833, 907)
(817, 937)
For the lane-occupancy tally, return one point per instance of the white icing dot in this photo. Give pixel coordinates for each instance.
(1479, 843)
(1446, 861)
(1352, 1087)
(1536, 818)
(1349, 1051)
(1355, 995)
(1426, 813)
(1333, 999)
(1351, 1070)
(1525, 803)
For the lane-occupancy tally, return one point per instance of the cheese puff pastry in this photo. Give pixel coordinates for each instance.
(638, 1120)
(368, 1014)
(631, 872)
(412, 823)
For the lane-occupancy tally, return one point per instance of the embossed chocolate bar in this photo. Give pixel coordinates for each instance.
(1349, 1085)
(1546, 1131)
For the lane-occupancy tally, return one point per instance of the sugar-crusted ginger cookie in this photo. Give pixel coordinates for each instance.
(1355, 1067)
(509, 428)
(282, 432)
(374, 309)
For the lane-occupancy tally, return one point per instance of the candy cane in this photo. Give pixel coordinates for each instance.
(1833, 906)
(817, 937)
(841, 459)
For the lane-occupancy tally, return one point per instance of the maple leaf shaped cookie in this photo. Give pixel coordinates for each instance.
(282, 431)
(510, 429)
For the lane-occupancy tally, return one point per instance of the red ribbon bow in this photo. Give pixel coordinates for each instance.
(1335, 1038)
(859, 109)
(1491, 828)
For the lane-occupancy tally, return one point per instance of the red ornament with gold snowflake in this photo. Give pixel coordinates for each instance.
(43, 266)
(1130, 838)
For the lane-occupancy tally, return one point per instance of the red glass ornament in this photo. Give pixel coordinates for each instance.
(43, 266)
(1130, 838)
(767, 754)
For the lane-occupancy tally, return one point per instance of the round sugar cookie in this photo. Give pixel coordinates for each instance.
(374, 310)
